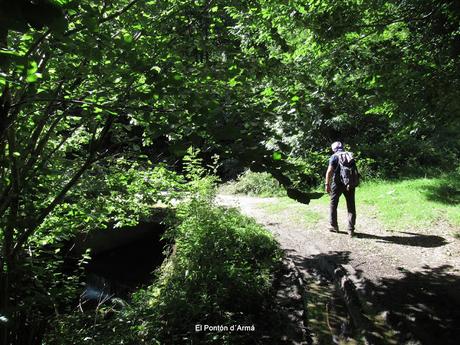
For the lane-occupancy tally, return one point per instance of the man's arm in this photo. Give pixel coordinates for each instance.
(329, 172)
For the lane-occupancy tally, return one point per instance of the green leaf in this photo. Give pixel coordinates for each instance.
(277, 156)
(32, 74)
(233, 82)
(32, 78)
(128, 38)
(156, 69)
(9, 53)
(268, 91)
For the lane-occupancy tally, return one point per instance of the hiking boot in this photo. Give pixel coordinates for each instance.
(333, 229)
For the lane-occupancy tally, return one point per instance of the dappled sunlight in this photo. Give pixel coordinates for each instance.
(112, 110)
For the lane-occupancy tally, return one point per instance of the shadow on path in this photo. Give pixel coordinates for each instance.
(422, 306)
(416, 240)
(425, 304)
(281, 321)
(336, 257)
(326, 313)
(324, 261)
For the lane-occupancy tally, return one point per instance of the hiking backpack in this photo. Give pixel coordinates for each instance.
(349, 175)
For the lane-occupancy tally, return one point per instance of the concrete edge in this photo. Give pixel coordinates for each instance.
(352, 295)
(303, 292)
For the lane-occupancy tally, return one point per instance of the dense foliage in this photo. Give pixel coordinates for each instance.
(220, 273)
(100, 100)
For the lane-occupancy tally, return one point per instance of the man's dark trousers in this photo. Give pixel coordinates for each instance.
(336, 191)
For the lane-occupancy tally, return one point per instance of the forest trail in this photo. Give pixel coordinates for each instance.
(408, 278)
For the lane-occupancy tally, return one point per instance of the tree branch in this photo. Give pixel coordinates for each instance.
(104, 107)
(389, 22)
(119, 13)
(71, 183)
(56, 201)
(37, 43)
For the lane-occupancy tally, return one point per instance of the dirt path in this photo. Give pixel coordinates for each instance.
(412, 278)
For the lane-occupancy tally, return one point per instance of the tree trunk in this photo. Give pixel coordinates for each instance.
(4, 261)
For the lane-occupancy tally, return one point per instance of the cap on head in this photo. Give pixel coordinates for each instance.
(337, 146)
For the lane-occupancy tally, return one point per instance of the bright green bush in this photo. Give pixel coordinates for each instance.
(367, 168)
(255, 183)
(312, 164)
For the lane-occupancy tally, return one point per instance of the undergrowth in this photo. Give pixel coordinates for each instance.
(220, 272)
(254, 184)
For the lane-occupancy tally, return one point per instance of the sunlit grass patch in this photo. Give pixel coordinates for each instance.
(399, 205)
(280, 205)
(413, 203)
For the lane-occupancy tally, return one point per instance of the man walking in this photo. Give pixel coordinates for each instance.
(335, 186)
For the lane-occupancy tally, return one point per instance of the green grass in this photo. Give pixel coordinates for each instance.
(282, 204)
(413, 203)
(400, 205)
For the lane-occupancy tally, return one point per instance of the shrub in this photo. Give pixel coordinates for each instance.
(219, 273)
(312, 164)
(254, 183)
(367, 168)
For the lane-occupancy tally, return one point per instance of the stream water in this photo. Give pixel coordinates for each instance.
(121, 260)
